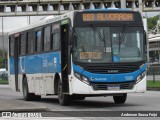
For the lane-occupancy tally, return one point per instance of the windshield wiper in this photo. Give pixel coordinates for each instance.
(122, 35)
(100, 36)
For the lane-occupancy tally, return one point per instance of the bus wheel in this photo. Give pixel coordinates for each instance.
(63, 98)
(120, 99)
(26, 95)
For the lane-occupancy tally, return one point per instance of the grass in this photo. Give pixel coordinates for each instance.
(3, 81)
(150, 83)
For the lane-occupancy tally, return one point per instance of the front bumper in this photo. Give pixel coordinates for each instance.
(79, 87)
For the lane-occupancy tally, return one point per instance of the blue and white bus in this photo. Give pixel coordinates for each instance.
(79, 54)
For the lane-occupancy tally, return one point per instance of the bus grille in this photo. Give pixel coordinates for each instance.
(113, 68)
(104, 86)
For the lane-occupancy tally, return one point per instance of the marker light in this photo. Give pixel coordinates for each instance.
(140, 77)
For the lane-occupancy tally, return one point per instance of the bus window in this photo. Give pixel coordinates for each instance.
(11, 46)
(30, 42)
(38, 41)
(47, 38)
(26, 43)
(23, 44)
(55, 40)
(19, 46)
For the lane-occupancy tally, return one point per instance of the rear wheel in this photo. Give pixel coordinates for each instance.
(26, 95)
(120, 99)
(63, 98)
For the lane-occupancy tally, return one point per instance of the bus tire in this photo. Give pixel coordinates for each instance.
(64, 99)
(26, 95)
(120, 99)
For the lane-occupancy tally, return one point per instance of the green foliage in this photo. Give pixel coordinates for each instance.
(1, 59)
(3, 62)
(152, 21)
(150, 83)
(3, 81)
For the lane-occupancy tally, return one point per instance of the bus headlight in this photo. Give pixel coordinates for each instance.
(140, 77)
(78, 76)
(85, 80)
(81, 78)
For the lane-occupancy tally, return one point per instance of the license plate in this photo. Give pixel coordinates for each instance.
(113, 87)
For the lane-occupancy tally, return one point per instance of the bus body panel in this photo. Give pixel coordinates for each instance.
(40, 63)
(40, 71)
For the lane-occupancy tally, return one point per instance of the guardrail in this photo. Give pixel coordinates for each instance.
(55, 7)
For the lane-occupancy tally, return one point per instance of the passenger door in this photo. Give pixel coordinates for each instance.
(65, 56)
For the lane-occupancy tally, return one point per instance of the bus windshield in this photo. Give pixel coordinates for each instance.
(108, 44)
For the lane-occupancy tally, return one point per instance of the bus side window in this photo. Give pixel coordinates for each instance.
(55, 37)
(26, 43)
(23, 44)
(38, 40)
(42, 41)
(55, 41)
(47, 38)
(19, 46)
(30, 42)
(11, 46)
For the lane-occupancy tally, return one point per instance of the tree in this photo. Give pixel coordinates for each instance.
(152, 21)
(1, 53)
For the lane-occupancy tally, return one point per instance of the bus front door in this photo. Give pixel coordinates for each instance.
(65, 57)
(16, 61)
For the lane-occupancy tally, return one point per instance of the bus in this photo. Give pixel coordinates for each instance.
(79, 54)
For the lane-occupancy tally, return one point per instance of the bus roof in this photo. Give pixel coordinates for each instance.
(48, 20)
(42, 22)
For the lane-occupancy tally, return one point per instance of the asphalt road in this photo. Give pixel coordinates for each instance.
(148, 101)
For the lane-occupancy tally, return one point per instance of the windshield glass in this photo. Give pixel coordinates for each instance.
(108, 44)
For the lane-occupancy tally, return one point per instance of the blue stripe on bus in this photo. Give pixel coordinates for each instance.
(50, 63)
(124, 77)
(39, 63)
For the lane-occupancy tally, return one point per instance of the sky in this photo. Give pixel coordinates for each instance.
(12, 23)
(151, 14)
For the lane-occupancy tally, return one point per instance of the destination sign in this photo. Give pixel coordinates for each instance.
(90, 55)
(107, 17)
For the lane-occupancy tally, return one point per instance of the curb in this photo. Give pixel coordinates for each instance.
(4, 84)
(26, 110)
(9, 105)
(153, 88)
